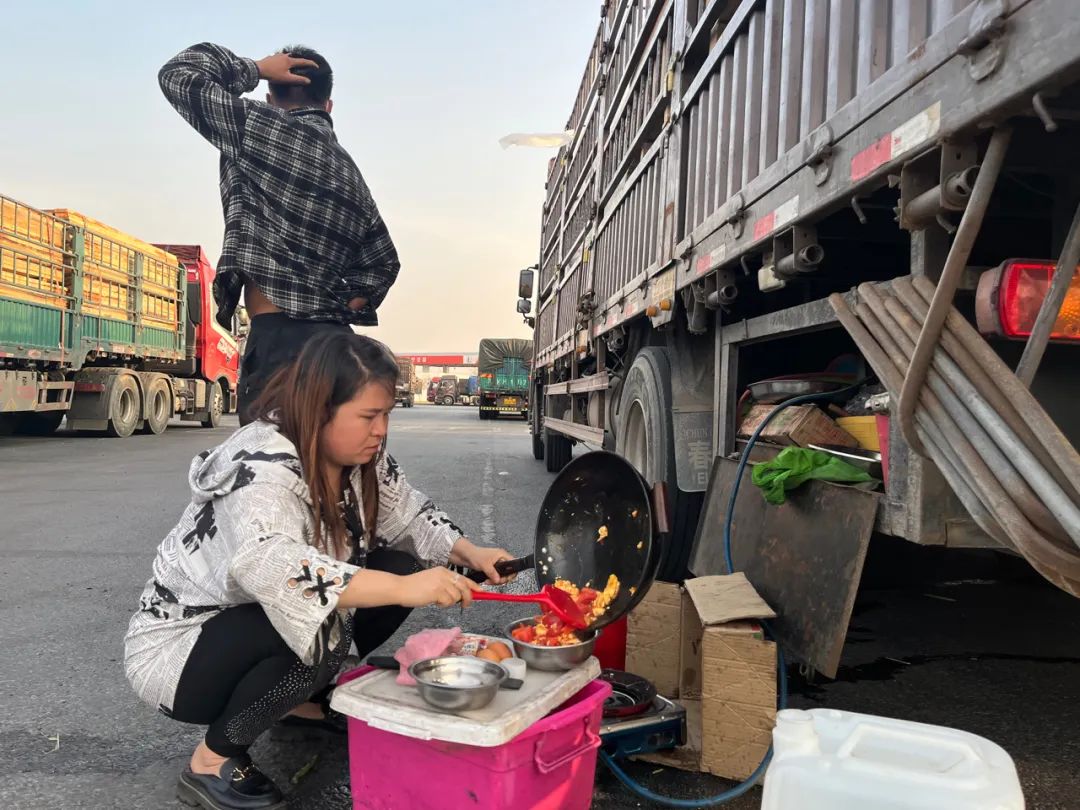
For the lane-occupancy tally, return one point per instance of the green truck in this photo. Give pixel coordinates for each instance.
(114, 333)
(504, 365)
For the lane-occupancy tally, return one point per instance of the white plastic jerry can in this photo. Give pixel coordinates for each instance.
(824, 759)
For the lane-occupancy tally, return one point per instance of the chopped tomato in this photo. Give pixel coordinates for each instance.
(587, 596)
(526, 634)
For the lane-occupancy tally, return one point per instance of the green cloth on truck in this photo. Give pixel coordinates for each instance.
(794, 465)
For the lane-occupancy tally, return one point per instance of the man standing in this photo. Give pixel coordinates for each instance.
(303, 237)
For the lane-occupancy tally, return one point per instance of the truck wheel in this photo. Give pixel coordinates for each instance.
(448, 401)
(538, 447)
(125, 407)
(216, 407)
(557, 451)
(159, 405)
(39, 424)
(646, 439)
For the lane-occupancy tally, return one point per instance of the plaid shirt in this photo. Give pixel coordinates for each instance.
(299, 220)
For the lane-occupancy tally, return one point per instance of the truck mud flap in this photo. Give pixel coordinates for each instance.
(693, 431)
(805, 557)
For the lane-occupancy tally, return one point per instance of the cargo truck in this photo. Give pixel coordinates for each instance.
(432, 389)
(503, 364)
(747, 183)
(114, 333)
(403, 391)
(447, 391)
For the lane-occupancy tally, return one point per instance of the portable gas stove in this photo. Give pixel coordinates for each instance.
(637, 720)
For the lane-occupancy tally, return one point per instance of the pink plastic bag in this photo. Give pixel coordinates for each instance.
(425, 644)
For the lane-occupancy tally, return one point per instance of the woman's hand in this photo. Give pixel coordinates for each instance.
(436, 586)
(481, 559)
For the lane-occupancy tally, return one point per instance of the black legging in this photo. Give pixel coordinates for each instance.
(241, 677)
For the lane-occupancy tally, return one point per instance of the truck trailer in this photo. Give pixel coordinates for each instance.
(114, 333)
(403, 391)
(503, 364)
(765, 197)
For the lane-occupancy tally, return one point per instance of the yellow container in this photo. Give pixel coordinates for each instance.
(31, 225)
(31, 272)
(864, 429)
(109, 268)
(109, 253)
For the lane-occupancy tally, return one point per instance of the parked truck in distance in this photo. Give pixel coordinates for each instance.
(403, 391)
(503, 364)
(447, 391)
(433, 389)
(112, 332)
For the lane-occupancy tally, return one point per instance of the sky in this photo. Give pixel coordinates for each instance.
(423, 90)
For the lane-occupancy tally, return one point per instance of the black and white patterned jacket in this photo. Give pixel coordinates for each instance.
(246, 537)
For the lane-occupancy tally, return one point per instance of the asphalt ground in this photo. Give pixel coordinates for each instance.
(969, 640)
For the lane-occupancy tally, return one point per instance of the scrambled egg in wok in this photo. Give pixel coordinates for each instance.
(549, 631)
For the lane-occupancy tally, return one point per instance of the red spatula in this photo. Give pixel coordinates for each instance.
(552, 599)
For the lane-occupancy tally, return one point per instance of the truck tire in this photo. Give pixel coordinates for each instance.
(646, 439)
(557, 451)
(38, 424)
(158, 406)
(536, 426)
(125, 407)
(215, 406)
(448, 401)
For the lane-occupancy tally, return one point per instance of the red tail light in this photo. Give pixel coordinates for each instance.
(1009, 297)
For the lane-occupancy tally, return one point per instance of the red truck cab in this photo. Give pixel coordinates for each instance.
(216, 355)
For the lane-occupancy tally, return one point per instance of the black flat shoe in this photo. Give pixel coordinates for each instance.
(239, 786)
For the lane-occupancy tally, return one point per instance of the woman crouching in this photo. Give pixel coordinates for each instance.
(302, 536)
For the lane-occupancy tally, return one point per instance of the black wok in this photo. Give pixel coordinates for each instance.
(595, 490)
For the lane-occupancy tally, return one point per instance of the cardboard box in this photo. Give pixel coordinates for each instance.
(725, 670)
(652, 638)
(801, 425)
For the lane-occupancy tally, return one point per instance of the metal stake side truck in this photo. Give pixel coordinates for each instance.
(734, 164)
(503, 364)
(112, 332)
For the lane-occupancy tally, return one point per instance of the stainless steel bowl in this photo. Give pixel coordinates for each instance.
(552, 659)
(770, 391)
(457, 683)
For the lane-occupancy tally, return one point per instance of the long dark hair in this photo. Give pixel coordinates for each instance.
(303, 396)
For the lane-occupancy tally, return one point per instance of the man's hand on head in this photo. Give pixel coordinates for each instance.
(278, 69)
(357, 304)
